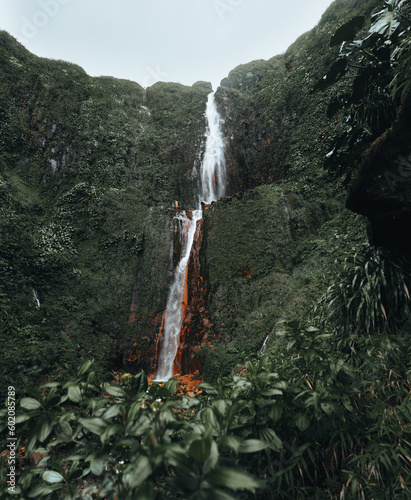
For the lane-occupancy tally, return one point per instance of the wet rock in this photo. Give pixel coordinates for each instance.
(381, 190)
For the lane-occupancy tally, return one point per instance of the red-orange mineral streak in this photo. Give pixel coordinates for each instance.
(187, 384)
(184, 306)
(159, 337)
(195, 319)
(133, 309)
(144, 352)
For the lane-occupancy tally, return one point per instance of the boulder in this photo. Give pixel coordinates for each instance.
(381, 189)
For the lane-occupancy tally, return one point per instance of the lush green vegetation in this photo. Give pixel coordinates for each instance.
(89, 171)
(325, 415)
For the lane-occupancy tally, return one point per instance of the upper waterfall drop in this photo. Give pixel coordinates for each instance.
(212, 187)
(212, 171)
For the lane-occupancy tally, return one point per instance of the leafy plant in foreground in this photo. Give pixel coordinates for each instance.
(377, 71)
(371, 292)
(131, 442)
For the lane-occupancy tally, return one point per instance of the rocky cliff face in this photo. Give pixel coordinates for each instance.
(91, 169)
(381, 188)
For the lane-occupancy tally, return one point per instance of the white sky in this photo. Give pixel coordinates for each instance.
(149, 40)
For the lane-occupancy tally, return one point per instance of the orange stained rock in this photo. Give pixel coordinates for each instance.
(159, 336)
(184, 307)
(187, 384)
(246, 273)
(133, 309)
(184, 303)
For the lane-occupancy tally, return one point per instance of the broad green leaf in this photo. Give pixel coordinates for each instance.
(94, 424)
(42, 491)
(134, 411)
(386, 23)
(52, 476)
(271, 438)
(234, 479)
(111, 412)
(45, 430)
(74, 474)
(97, 466)
(334, 74)
(111, 430)
(84, 367)
(51, 385)
(74, 393)
(23, 417)
(275, 412)
(171, 385)
(30, 403)
(230, 441)
(222, 406)
(271, 392)
(311, 329)
(212, 460)
(302, 421)
(140, 383)
(208, 416)
(208, 388)
(113, 390)
(52, 401)
(200, 449)
(137, 472)
(252, 446)
(328, 408)
(64, 432)
(57, 467)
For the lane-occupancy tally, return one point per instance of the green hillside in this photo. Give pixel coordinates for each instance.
(299, 307)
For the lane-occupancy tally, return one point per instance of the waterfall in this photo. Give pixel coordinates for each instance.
(285, 206)
(36, 298)
(174, 313)
(212, 187)
(212, 170)
(263, 347)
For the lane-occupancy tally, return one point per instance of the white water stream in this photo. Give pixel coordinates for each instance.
(212, 187)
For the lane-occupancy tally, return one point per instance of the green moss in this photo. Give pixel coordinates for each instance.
(91, 167)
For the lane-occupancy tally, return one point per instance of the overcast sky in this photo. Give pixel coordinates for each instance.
(149, 40)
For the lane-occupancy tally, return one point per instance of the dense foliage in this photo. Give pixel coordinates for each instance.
(378, 70)
(325, 415)
(89, 171)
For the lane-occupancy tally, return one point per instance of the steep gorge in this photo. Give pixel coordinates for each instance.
(91, 170)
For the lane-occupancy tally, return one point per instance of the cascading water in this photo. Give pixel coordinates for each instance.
(174, 313)
(212, 172)
(212, 187)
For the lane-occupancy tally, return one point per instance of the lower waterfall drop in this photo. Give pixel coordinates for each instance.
(212, 187)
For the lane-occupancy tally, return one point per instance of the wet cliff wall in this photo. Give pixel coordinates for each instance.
(89, 172)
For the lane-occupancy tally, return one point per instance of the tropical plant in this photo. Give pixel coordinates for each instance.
(376, 70)
(127, 441)
(370, 292)
(312, 420)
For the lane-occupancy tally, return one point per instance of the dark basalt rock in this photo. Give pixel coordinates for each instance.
(381, 190)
